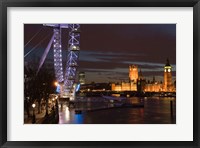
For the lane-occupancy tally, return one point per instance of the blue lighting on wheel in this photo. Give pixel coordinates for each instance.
(78, 87)
(58, 89)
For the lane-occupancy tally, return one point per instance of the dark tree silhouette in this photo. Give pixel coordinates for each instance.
(37, 86)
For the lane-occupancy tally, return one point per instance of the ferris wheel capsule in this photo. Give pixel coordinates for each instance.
(74, 48)
(76, 30)
(73, 64)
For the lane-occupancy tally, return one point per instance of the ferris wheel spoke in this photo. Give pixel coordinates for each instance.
(45, 53)
(33, 37)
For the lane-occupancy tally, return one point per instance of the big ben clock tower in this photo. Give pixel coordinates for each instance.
(167, 85)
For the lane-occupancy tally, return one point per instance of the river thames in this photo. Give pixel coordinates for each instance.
(156, 110)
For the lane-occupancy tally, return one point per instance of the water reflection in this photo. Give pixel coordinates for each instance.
(78, 118)
(156, 111)
(67, 113)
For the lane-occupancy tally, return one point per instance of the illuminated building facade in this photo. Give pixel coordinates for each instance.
(116, 87)
(133, 73)
(153, 87)
(133, 80)
(138, 83)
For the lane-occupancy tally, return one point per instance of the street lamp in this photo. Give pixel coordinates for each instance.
(33, 106)
(53, 104)
(56, 83)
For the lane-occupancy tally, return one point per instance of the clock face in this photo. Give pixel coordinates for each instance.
(165, 70)
(169, 70)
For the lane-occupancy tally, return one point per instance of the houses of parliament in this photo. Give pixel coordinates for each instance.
(138, 83)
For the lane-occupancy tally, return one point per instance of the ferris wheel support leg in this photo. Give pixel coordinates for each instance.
(45, 53)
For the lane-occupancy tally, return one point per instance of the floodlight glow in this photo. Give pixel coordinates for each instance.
(33, 105)
(78, 87)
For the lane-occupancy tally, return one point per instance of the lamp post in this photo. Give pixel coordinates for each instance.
(33, 106)
(53, 104)
(46, 98)
(56, 103)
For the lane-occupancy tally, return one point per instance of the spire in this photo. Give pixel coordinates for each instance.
(140, 74)
(167, 63)
(154, 80)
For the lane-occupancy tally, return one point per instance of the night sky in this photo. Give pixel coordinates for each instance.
(107, 50)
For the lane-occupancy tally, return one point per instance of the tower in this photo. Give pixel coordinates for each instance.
(140, 83)
(81, 76)
(133, 73)
(167, 85)
(140, 76)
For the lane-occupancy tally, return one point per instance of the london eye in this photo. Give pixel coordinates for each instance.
(65, 77)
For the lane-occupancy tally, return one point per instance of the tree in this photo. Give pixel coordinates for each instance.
(28, 79)
(37, 86)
